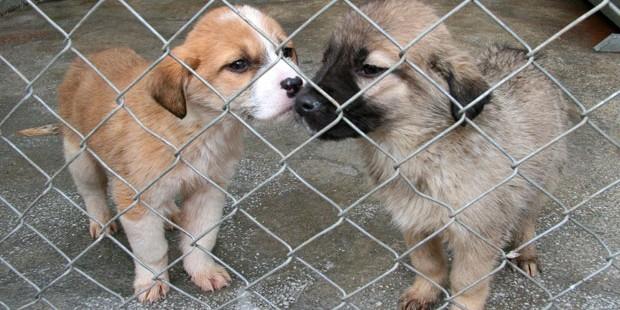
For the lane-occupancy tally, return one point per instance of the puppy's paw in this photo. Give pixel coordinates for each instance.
(212, 277)
(149, 293)
(96, 230)
(529, 265)
(413, 300)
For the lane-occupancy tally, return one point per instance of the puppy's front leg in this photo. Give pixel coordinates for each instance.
(201, 212)
(145, 232)
(430, 260)
(473, 260)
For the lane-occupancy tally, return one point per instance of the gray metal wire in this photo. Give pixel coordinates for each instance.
(342, 218)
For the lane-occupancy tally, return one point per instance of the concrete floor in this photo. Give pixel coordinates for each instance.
(285, 205)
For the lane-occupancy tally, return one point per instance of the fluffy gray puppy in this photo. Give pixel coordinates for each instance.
(404, 110)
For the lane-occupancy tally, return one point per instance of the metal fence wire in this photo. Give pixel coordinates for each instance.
(249, 285)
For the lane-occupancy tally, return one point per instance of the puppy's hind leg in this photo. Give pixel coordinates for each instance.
(430, 260)
(201, 212)
(90, 180)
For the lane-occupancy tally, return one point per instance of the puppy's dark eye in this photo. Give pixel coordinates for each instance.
(371, 70)
(239, 66)
(288, 52)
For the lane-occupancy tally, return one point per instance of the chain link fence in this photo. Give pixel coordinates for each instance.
(250, 286)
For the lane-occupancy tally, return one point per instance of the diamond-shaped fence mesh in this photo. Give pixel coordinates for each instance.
(299, 229)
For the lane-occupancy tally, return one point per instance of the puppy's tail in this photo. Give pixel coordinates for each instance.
(45, 130)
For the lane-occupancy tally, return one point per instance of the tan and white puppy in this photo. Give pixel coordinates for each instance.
(404, 111)
(170, 101)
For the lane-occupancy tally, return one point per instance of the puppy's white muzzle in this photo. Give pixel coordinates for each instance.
(271, 97)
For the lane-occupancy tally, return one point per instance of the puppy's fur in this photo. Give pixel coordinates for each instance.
(174, 104)
(404, 111)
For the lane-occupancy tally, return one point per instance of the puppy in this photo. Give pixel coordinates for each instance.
(174, 104)
(435, 194)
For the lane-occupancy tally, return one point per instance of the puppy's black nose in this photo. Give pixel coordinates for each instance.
(307, 103)
(292, 86)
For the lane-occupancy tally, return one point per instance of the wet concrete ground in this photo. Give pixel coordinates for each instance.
(285, 205)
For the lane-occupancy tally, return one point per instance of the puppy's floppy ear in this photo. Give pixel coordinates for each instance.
(167, 82)
(465, 82)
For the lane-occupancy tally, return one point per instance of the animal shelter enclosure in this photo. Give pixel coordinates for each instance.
(301, 228)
